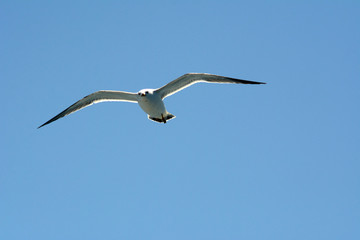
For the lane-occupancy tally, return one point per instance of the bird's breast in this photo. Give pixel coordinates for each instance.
(152, 106)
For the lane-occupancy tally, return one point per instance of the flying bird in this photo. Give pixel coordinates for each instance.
(150, 100)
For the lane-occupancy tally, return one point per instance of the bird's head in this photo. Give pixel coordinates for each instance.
(145, 92)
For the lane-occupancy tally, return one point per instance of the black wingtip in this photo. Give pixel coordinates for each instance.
(251, 82)
(51, 120)
(243, 81)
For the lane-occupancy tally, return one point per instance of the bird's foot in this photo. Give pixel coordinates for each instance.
(162, 117)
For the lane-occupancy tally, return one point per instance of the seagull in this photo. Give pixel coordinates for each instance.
(150, 100)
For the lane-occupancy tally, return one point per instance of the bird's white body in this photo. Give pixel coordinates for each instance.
(150, 100)
(151, 103)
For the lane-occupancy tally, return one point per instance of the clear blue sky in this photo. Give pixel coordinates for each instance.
(276, 161)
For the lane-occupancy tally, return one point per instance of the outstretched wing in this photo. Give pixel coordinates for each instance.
(99, 96)
(191, 78)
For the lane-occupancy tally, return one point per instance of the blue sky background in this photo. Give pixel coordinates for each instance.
(276, 161)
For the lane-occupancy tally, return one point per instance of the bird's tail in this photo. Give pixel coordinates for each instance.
(166, 117)
(169, 116)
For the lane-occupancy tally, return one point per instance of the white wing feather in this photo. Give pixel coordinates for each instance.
(191, 78)
(99, 96)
